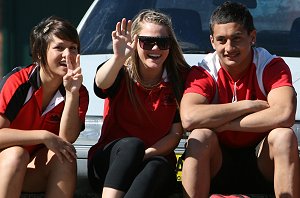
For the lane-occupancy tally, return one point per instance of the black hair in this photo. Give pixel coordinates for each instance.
(230, 12)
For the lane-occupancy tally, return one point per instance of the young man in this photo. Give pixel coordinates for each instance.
(239, 106)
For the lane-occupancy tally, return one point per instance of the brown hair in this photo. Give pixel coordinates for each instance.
(42, 34)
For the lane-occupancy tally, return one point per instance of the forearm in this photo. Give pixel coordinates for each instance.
(107, 73)
(213, 116)
(165, 145)
(12, 137)
(262, 121)
(70, 124)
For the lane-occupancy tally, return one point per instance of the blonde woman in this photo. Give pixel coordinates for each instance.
(142, 85)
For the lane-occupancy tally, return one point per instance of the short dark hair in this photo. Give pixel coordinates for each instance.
(230, 12)
(42, 34)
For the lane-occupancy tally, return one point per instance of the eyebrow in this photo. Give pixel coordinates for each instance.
(237, 33)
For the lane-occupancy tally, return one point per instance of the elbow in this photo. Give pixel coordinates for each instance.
(287, 119)
(187, 122)
(289, 122)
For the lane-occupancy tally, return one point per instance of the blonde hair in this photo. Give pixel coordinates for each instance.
(175, 63)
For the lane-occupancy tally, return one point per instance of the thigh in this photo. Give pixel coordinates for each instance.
(156, 178)
(117, 163)
(38, 171)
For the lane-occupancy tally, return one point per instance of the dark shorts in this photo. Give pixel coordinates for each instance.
(239, 173)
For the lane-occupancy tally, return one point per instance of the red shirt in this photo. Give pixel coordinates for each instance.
(150, 123)
(21, 102)
(213, 82)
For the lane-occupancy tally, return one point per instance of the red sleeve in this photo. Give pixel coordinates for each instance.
(201, 82)
(277, 74)
(83, 103)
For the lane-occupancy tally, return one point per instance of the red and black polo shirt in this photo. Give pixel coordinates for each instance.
(21, 101)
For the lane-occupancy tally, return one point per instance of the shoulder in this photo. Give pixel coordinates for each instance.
(17, 77)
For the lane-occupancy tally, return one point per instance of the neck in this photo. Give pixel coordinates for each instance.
(150, 77)
(49, 81)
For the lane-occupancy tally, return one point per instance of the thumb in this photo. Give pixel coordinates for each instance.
(134, 42)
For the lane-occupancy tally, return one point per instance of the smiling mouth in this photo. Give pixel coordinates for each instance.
(63, 64)
(154, 56)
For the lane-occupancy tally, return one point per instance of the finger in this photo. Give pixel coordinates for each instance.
(123, 26)
(114, 35)
(77, 70)
(77, 61)
(129, 24)
(71, 149)
(60, 157)
(134, 42)
(69, 62)
(118, 28)
(77, 77)
(69, 155)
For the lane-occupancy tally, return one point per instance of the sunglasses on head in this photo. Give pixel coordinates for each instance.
(147, 42)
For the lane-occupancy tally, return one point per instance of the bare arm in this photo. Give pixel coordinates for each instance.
(281, 113)
(166, 144)
(70, 123)
(123, 47)
(14, 137)
(197, 113)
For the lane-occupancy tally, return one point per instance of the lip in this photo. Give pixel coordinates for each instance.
(154, 56)
(63, 63)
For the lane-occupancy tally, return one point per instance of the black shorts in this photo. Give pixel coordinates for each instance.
(239, 173)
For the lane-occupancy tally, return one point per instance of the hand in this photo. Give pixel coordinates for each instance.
(257, 105)
(73, 79)
(62, 149)
(123, 46)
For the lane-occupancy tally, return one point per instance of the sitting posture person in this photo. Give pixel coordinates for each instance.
(239, 106)
(42, 111)
(142, 84)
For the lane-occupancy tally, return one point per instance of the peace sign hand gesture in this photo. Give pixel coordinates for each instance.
(73, 79)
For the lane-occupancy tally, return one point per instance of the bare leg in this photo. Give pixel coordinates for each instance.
(279, 160)
(13, 163)
(112, 193)
(203, 160)
(47, 174)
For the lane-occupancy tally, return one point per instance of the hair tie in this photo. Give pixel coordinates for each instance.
(47, 27)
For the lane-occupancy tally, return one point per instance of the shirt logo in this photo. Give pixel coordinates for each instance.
(169, 100)
(54, 118)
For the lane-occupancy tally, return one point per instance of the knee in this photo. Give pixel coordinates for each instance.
(14, 159)
(282, 141)
(201, 141)
(66, 167)
(159, 165)
(133, 145)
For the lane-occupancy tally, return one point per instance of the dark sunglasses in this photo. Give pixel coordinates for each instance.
(147, 42)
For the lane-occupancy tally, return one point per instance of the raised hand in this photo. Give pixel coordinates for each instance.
(123, 45)
(73, 79)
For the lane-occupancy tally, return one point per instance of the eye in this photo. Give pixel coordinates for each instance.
(74, 49)
(236, 39)
(221, 40)
(58, 47)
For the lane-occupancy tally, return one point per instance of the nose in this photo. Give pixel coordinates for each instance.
(229, 45)
(155, 46)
